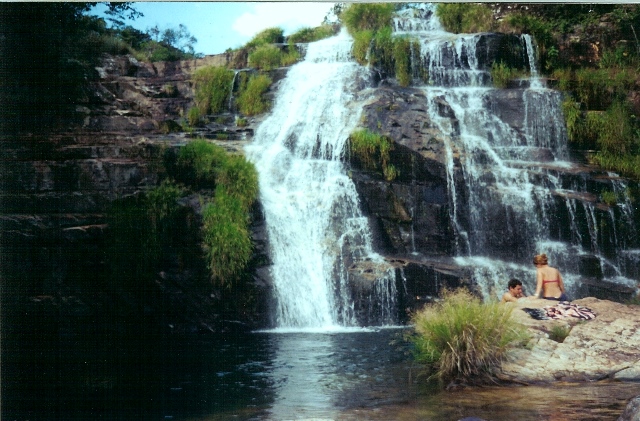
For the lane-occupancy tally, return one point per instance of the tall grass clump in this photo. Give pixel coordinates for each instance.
(251, 100)
(226, 237)
(465, 17)
(460, 338)
(312, 34)
(212, 88)
(198, 163)
(367, 16)
(372, 150)
(265, 57)
(402, 55)
(501, 74)
(225, 231)
(361, 45)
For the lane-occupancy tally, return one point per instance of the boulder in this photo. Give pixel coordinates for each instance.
(605, 347)
(632, 411)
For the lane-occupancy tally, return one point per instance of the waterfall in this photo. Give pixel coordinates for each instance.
(531, 56)
(509, 180)
(319, 240)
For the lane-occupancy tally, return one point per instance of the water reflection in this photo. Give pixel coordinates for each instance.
(361, 375)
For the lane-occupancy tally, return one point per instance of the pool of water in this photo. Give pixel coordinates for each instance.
(362, 374)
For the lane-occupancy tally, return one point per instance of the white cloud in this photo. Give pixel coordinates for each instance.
(288, 16)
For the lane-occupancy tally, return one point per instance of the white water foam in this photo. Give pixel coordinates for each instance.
(315, 226)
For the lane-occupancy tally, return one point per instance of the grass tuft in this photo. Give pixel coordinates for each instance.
(559, 333)
(372, 150)
(212, 89)
(461, 338)
(251, 99)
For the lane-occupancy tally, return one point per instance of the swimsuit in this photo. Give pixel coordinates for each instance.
(562, 297)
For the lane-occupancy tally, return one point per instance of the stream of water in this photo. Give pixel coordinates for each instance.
(315, 226)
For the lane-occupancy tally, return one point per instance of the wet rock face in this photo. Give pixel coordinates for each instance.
(58, 189)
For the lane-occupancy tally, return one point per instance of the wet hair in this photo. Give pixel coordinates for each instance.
(540, 259)
(514, 283)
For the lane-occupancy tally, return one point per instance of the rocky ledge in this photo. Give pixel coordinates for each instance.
(604, 348)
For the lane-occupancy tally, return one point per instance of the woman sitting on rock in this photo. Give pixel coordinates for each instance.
(549, 280)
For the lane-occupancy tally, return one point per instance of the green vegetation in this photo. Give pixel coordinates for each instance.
(198, 163)
(460, 338)
(251, 99)
(194, 116)
(609, 197)
(269, 56)
(312, 34)
(241, 122)
(374, 43)
(267, 36)
(141, 229)
(465, 17)
(367, 16)
(226, 236)
(212, 88)
(501, 74)
(372, 150)
(559, 333)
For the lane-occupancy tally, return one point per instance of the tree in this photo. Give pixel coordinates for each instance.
(47, 50)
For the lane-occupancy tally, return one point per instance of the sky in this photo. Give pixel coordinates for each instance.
(221, 25)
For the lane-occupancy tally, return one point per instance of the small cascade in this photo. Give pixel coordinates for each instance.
(531, 56)
(509, 180)
(233, 86)
(325, 272)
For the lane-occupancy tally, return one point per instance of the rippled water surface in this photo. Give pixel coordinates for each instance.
(269, 376)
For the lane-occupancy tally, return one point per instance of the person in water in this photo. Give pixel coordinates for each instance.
(548, 280)
(515, 291)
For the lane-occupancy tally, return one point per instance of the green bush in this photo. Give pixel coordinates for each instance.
(212, 88)
(312, 34)
(251, 99)
(465, 17)
(462, 338)
(617, 134)
(265, 57)
(609, 197)
(292, 56)
(267, 36)
(372, 150)
(240, 178)
(367, 16)
(198, 163)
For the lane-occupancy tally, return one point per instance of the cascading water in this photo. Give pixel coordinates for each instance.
(317, 233)
(508, 181)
